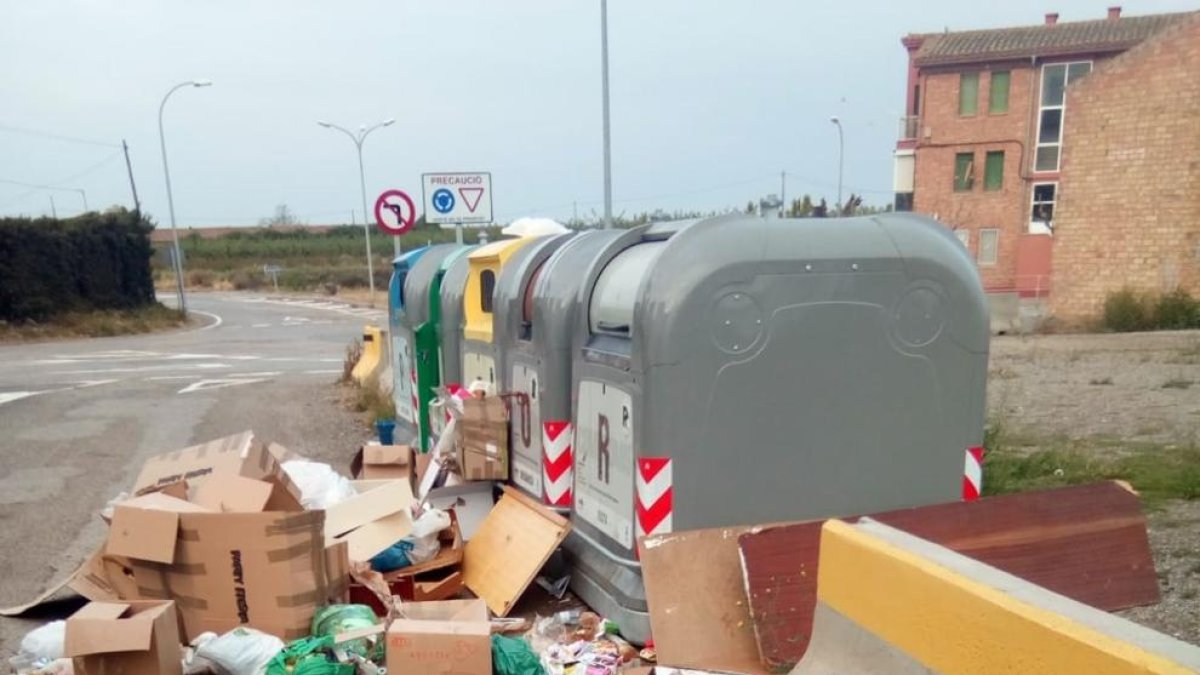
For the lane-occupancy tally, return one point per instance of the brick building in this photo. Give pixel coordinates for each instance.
(993, 125)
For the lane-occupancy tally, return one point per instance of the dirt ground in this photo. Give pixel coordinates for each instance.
(1138, 387)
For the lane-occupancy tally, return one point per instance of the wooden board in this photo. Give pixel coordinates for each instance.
(509, 549)
(1086, 542)
(699, 617)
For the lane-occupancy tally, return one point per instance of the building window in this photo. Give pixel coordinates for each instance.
(916, 109)
(487, 290)
(989, 243)
(1044, 197)
(968, 93)
(998, 93)
(964, 235)
(1055, 79)
(964, 171)
(993, 171)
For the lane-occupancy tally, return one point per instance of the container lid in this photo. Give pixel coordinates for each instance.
(615, 293)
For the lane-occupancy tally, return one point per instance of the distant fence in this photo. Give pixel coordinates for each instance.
(94, 261)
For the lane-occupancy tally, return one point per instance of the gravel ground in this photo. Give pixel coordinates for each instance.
(1142, 387)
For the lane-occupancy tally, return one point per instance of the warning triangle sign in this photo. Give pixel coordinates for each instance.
(471, 196)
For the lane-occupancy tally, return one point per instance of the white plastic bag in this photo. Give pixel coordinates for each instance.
(40, 646)
(425, 535)
(241, 651)
(320, 486)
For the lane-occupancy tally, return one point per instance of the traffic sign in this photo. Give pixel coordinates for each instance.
(457, 197)
(395, 212)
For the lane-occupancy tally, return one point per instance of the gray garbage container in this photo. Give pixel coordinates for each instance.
(741, 370)
(536, 297)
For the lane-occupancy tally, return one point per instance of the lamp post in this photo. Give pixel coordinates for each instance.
(162, 140)
(841, 156)
(362, 184)
(608, 220)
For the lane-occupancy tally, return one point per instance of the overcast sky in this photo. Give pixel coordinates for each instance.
(711, 99)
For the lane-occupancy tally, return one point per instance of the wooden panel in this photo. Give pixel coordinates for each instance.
(509, 549)
(1086, 542)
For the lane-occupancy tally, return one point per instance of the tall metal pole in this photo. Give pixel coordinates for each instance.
(841, 157)
(162, 140)
(362, 185)
(608, 219)
(137, 205)
(83, 193)
(53, 211)
(783, 192)
(358, 139)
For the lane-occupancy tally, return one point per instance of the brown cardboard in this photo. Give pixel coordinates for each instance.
(375, 499)
(450, 637)
(482, 439)
(263, 570)
(367, 541)
(129, 638)
(145, 527)
(337, 571)
(383, 462)
(505, 555)
(233, 493)
(239, 455)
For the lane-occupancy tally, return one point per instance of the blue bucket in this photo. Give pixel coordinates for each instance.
(387, 431)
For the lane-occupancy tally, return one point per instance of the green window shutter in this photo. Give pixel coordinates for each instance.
(968, 93)
(993, 171)
(998, 96)
(964, 171)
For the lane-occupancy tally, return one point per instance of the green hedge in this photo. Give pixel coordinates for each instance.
(94, 261)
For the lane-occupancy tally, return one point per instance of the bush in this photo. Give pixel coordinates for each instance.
(200, 278)
(1126, 311)
(1177, 311)
(247, 280)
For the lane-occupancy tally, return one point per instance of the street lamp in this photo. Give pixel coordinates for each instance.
(362, 184)
(162, 140)
(841, 156)
(608, 221)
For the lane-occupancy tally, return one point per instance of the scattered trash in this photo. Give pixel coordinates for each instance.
(335, 620)
(241, 651)
(513, 656)
(418, 643)
(309, 656)
(420, 546)
(125, 637)
(40, 647)
(320, 486)
(386, 428)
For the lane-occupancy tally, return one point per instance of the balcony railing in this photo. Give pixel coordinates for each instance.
(910, 125)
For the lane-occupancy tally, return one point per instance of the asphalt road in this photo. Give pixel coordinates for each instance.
(77, 418)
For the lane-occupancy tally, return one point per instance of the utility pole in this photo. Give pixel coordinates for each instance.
(783, 191)
(53, 211)
(608, 219)
(137, 205)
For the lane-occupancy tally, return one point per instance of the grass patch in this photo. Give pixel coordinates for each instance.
(1157, 472)
(96, 323)
(374, 401)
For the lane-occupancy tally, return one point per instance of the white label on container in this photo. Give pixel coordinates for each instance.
(402, 377)
(604, 460)
(526, 430)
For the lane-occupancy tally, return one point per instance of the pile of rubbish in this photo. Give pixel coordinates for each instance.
(241, 557)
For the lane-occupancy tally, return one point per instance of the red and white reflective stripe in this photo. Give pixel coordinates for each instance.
(655, 496)
(416, 403)
(558, 463)
(972, 485)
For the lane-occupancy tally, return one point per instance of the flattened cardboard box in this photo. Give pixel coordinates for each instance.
(383, 462)
(129, 638)
(238, 455)
(269, 571)
(449, 637)
(483, 439)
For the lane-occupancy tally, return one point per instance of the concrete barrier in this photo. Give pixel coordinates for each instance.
(373, 359)
(889, 602)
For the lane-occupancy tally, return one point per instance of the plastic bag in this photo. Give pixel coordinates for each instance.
(320, 486)
(309, 656)
(420, 546)
(241, 651)
(336, 619)
(513, 656)
(39, 647)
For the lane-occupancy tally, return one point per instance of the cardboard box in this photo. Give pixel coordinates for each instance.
(470, 502)
(374, 519)
(384, 462)
(439, 578)
(450, 637)
(129, 638)
(482, 441)
(239, 455)
(265, 570)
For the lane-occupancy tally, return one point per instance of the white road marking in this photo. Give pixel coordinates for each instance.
(146, 369)
(217, 321)
(204, 385)
(168, 378)
(323, 372)
(261, 325)
(274, 373)
(92, 383)
(10, 396)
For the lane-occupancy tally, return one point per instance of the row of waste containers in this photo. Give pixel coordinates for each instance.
(696, 374)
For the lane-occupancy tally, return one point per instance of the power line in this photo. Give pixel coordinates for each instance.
(57, 183)
(56, 137)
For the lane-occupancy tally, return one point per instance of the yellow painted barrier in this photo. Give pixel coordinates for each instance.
(892, 602)
(372, 361)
